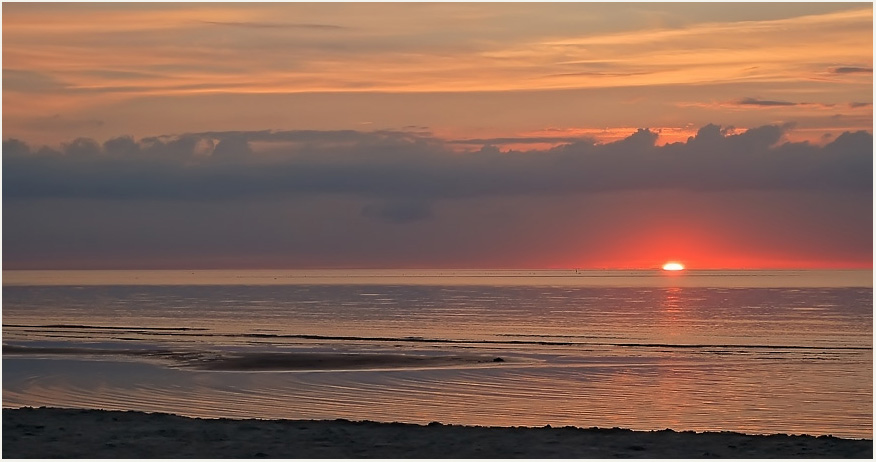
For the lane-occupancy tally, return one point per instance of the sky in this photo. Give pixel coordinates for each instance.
(437, 135)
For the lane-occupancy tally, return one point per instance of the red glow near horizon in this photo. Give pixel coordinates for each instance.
(709, 241)
(702, 256)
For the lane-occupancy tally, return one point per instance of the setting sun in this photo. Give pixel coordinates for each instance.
(673, 266)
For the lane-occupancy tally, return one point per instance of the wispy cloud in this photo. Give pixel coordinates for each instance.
(521, 140)
(96, 62)
(390, 54)
(276, 25)
(852, 70)
(751, 102)
(763, 102)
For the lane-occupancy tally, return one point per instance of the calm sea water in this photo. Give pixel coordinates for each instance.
(748, 351)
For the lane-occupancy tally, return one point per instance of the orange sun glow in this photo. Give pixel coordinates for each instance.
(673, 266)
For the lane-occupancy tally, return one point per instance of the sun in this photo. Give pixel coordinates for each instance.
(673, 266)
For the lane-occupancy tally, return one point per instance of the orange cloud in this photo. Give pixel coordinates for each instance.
(220, 48)
(100, 61)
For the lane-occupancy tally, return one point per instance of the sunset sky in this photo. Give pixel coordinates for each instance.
(438, 135)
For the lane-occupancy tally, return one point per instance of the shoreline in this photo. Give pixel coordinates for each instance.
(60, 433)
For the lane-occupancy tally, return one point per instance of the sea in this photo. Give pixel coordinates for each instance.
(759, 352)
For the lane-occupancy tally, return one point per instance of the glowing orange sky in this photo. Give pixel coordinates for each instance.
(463, 70)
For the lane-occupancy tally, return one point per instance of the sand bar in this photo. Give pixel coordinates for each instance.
(63, 433)
(267, 361)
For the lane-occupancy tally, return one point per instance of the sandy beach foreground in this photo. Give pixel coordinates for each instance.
(57, 433)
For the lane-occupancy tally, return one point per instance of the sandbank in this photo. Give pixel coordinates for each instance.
(73, 433)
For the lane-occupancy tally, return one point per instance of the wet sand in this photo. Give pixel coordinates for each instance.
(62, 433)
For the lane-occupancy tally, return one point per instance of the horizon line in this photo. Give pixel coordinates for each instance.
(363, 268)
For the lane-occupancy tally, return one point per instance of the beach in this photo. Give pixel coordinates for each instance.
(74, 433)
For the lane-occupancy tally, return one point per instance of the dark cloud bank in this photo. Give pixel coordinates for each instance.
(405, 171)
(307, 199)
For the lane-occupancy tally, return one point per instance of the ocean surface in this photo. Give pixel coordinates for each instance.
(747, 351)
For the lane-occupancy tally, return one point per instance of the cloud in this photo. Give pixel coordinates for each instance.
(521, 140)
(852, 70)
(231, 148)
(398, 212)
(275, 25)
(26, 81)
(750, 102)
(598, 74)
(389, 54)
(390, 166)
(761, 102)
(777, 103)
